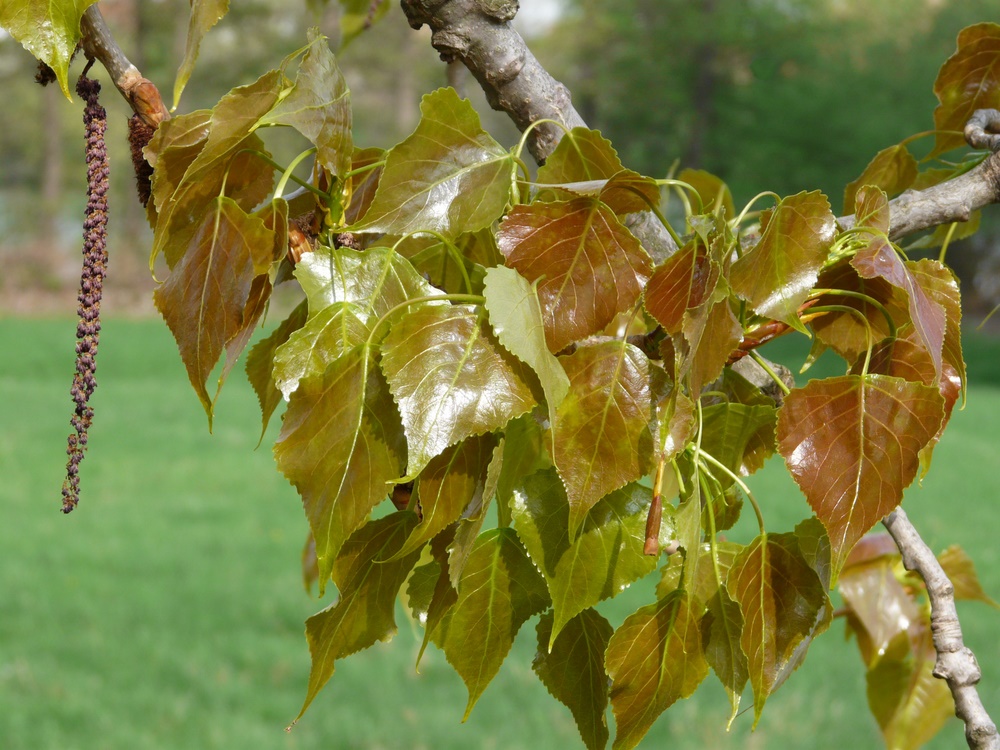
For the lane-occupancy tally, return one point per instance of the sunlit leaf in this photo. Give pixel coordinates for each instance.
(711, 332)
(871, 209)
(880, 608)
(499, 590)
(677, 424)
(323, 338)
(451, 379)
(686, 280)
(204, 15)
(654, 659)
(375, 280)
(880, 259)
(852, 444)
(573, 671)
(365, 611)
(471, 523)
(892, 169)
(516, 318)
(48, 30)
(581, 155)
(448, 485)
(448, 177)
(962, 573)
(205, 298)
(430, 592)
(340, 444)
(319, 107)
(783, 604)
(778, 274)
(969, 80)
(601, 562)
(586, 265)
(260, 364)
(603, 433)
(815, 546)
(941, 286)
(723, 650)
(710, 189)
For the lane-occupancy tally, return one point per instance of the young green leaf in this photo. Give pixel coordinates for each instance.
(357, 16)
(601, 562)
(966, 82)
(572, 669)
(777, 275)
(340, 444)
(499, 590)
(448, 177)
(260, 364)
(204, 15)
(368, 579)
(962, 573)
(710, 189)
(784, 606)
(586, 265)
(204, 300)
(516, 318)
(319, 107)
(581, 155)
(654, 659)
(451, 379)
(48, 30)
(723, 647)
(603, 433)
(839, 436)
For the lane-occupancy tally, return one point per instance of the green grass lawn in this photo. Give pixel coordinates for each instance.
(167, 611)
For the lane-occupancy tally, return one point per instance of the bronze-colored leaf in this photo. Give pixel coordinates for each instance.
(654, 659)
(686, 280)
(362, 186)
(204, 15)
(499, 590)
(340, 444)
(604, 428)
(572, 670)
(776, 276)
(368, 579)
(712, 191)
(852, 444)
(961, 572)
(588, 267)
(784, 606)
(449, 177)
(892, 169)
(451, 379)
(205, 299)
(711, 332)
(969, 80)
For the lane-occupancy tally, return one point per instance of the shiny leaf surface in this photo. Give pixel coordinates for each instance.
(686, 280)
(586, 265)
(451, 379)
(852, 444)
(449, 177)
(892, 169)
(204, 15)
(260, 364)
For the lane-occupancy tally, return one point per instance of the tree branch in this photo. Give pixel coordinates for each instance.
(141, 94)
(956, 664)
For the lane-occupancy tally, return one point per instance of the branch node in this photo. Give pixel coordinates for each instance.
(983, 130)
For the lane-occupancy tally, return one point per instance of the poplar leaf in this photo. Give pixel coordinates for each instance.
(499, 590)
(319, 107)
(852, 445)
(516, 317)
(601, 562)
(586, 266)
(969, 80)
(204, 300)
(581, 155)
(962, 573)
(368, 579)
(654, 659)
(572, 670)
(603, 432)
(260, 364)
(776, 276)
(48, 30)
(341, 445)
(204, 15)
(449, 177)
(684, 281)
(451, 379)
(892, 169)
(711, 189)
(784, 606)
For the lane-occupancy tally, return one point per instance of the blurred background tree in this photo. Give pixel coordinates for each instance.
(783, 94)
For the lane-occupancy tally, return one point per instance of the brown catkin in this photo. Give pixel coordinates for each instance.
(95, 259)
(139, 136)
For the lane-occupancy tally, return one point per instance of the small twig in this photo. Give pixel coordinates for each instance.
(981, 130)
(956, 664)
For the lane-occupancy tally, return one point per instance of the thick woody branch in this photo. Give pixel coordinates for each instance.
(956, 664)
(140, 93)
(956, 199)
(479, 34)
